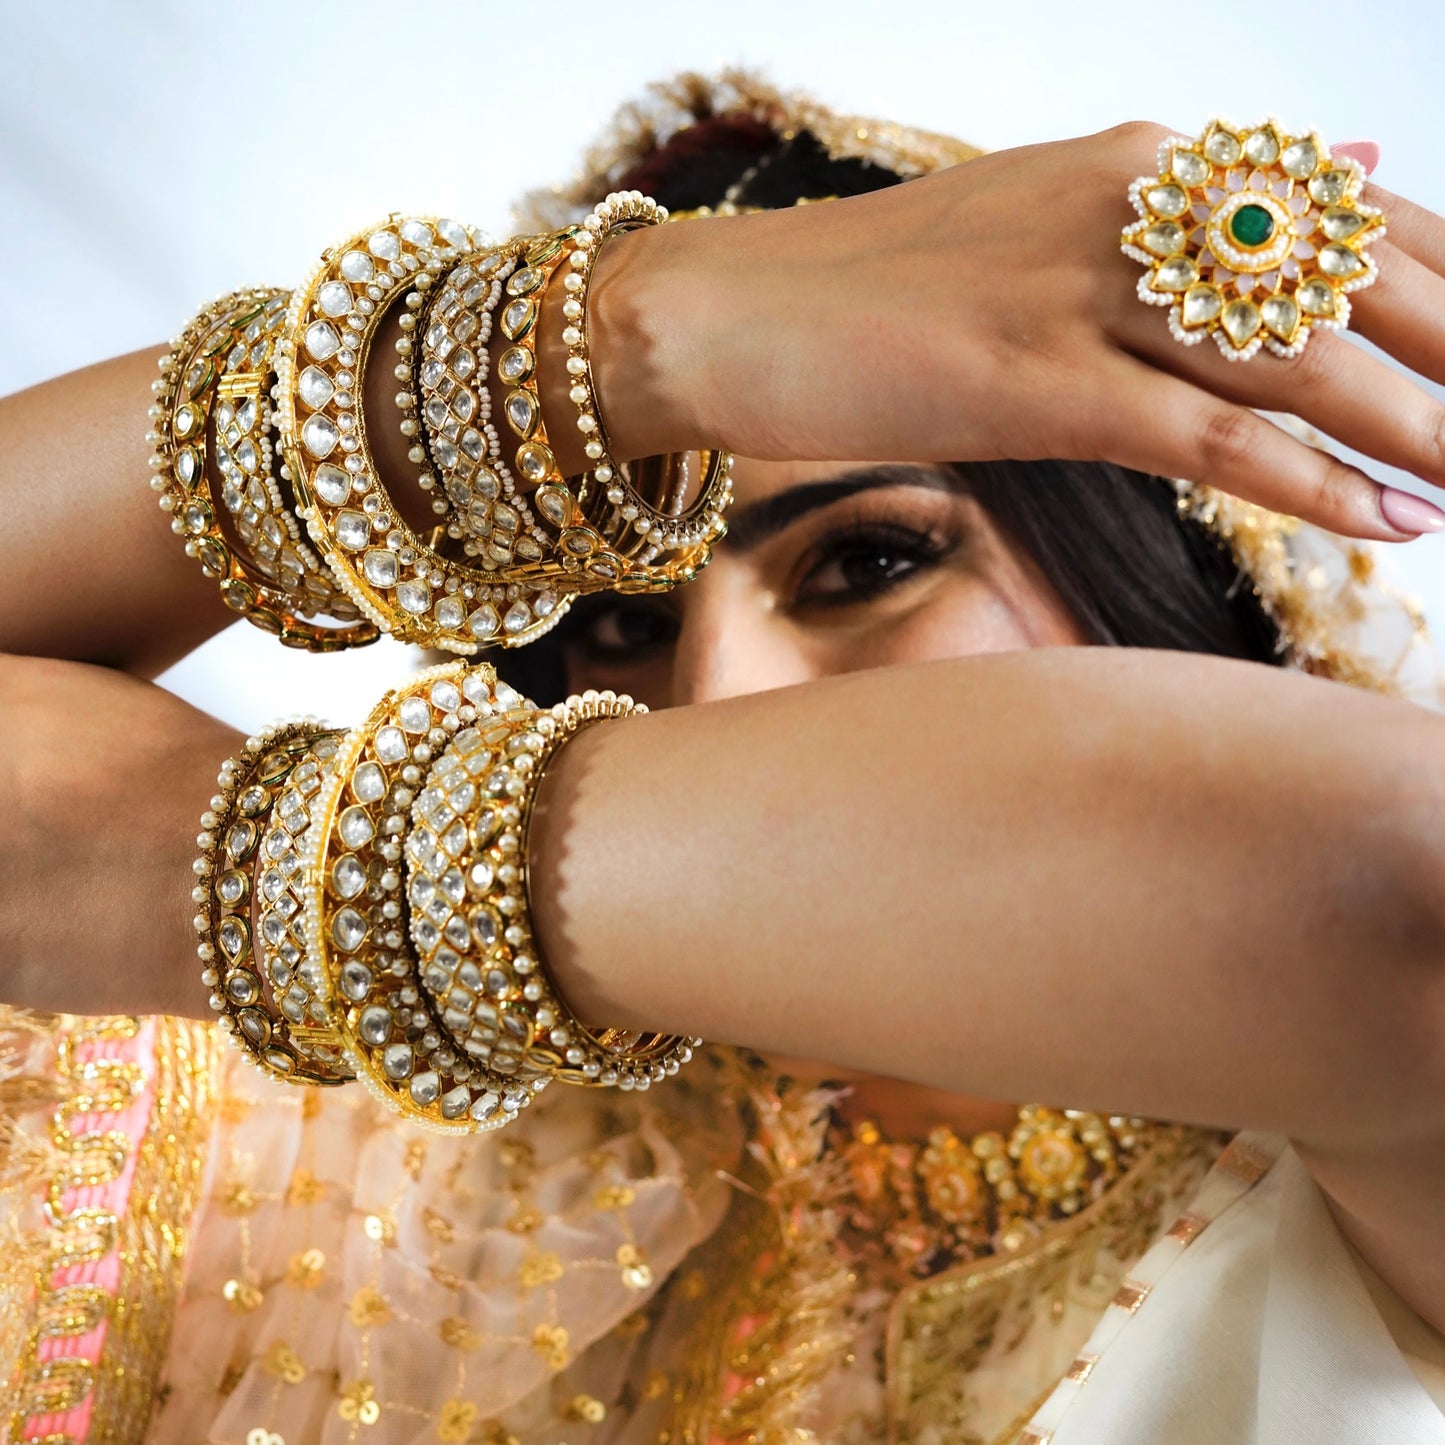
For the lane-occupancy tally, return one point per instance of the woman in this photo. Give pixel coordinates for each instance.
(1142, 883)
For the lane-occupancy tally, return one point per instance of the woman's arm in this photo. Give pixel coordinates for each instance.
(1139, 882)
(985, 311)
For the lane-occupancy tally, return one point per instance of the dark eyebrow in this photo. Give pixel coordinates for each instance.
(751, 526)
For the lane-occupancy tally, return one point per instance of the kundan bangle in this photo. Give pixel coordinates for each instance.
(408, 585)
(663, 540)
(248, 878)
(214, 397)
(470, 907)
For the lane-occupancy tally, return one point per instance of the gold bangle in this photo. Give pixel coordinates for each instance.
(468, 887)
(409, 586)
(356, 928)
(661, 543)
(248, 873)
(214, 394)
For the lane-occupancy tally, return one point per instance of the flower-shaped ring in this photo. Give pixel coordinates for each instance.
(1254, 236)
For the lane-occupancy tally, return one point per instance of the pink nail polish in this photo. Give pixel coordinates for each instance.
(1367, 152)
(1406, 512)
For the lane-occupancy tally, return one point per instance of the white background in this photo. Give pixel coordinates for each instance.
(155, 154)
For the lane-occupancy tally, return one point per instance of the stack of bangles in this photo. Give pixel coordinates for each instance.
(364, 913)
(261, 456)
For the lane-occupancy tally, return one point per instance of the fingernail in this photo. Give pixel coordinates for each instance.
(1367, 152)
(1406, 512)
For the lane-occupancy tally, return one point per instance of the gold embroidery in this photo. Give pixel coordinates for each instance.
(1082, 1367)
(1130, 1295)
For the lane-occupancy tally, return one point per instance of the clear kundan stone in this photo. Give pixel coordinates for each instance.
(516, 318)
(524, 280)
(247, 457)
(521, 412)
(545, 603)
(445, 695)
(415, 715)
(432, 372)
(455, 932)
(1261, 147)
(1299, 159)
(332, 484)
(1168, 201)
(356, 266)
(231, 887)
(453, 233)
(348, 877)
(355, 980)
(519, 615)
(1201, 305)
(449, 613)
(1328, 188)
(315, 387)
(418, 233)
(555, 504)
(232, 937)
(463, 364)
(1281, 316)
(398, 1061)
(353, 530)
(1340, 262)
(414, 597)
(505, 518)
(425, 1088)
(1241, 321)
(356, 828)
(535, 461)
(319, 436)
(485, 928)
(241, 839)
(1163, 238)
(384, 245)
(484, 622)
(243, 988)
(375, 1026)
(255, 1025)
(454, 1102)
(380, 567)
(487, 483)
(391, 745)
(473, 444)
(477, 691)
(444, 451)
(514, 365)
(1190, 169)
(368, 783)
(1339, 224)
(186, 465)
(486, 1106)
(1221, 147)
(1176, 275)
(322, 341)
(463, 404)
(348, 930)
(186, 419)
(334, 298)
(1317, 298)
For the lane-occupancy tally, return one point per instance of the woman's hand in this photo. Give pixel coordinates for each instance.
(102, 781)
(987, 311)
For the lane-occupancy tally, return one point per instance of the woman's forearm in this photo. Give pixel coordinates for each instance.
(1146, 883)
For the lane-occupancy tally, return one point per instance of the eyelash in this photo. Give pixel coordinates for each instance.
(919, 547)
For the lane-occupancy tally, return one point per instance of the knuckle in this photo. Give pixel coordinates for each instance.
(1137, 133)
(1337, 491)
(1434, 442)
(1228, 438)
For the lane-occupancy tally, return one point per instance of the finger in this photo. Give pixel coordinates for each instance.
(1158, 423)
(1413, 229)
(1333, 385)
(1403, 312)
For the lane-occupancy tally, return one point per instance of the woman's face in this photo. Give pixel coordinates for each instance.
(827, 568)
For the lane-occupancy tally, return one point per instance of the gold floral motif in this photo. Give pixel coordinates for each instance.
(284, 1363)
(358, 1402)
(368, 1308)
(459, 1334)
(457, 1419)
(551, 1342)
(539, 1269)
(305, 1269)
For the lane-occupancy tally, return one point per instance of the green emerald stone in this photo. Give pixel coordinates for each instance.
(1251, 226)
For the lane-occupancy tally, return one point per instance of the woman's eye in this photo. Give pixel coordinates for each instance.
(623, 627)
(858, 565)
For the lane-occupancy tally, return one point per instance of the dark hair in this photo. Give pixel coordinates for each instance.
(1130, 568)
